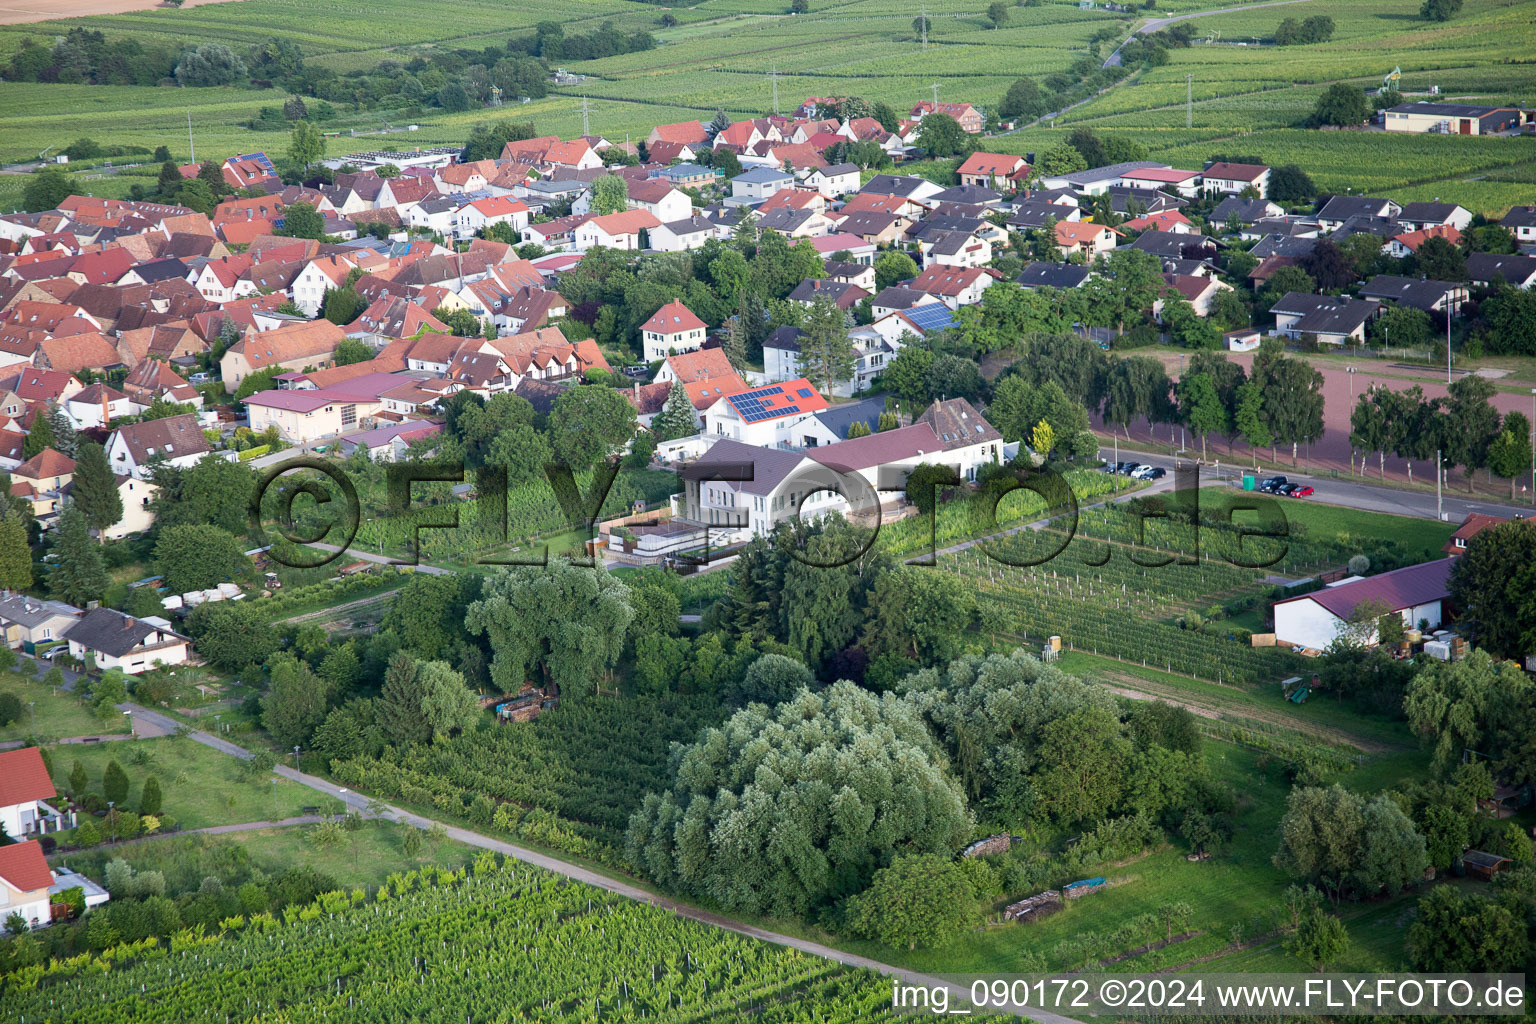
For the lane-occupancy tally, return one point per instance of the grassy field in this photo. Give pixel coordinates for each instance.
(53, 716)
(199, 786)
(720, 53)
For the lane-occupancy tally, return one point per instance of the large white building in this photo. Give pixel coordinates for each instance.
(1416, 594)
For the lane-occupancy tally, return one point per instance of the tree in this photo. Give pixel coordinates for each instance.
(1509, 455)
(1320, 836)
(1455, 931)
(892, 267)
(770, 680)
(149, 799)
(1293, 401)
(1342, 105)
(922, 898)
(826, 350)
(211, 491)
(447, 705)
(740, 824)
(1327, 265)
(77, 576)
(108, 692)
(568, 621)
(1472, 423)
(1440, 10)
(399, 704)
(232, 634)
(46, 189)
(198, 557)
(1439, 260)
(951, 376)
(78, 781)
(918, 615)
(1062, 159)
(295, 702)
(1476, 703)
(341, 306)
(302, 220)
(907, 374)
(1201, 407)
(1022, 100)
(719, 123)
(39, 437)
(96, 488)
(306, 146)
(941, 136)
(610, 194)
(589, 425)
(997, 14)
(1320, 939)
(1392, 855)
(1400, 326)
(15, 553)
(453, 98)
(677, 417)
(114, 783)
(208, 65)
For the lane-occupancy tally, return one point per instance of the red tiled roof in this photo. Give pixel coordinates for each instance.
(23, 777)
(673, 318)
(24, 866)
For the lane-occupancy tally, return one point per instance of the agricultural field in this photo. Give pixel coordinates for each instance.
(486, 943)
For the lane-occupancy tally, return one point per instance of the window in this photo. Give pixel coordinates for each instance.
(348, 415)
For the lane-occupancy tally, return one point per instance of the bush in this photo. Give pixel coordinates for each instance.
(86, 834)
(10, 708)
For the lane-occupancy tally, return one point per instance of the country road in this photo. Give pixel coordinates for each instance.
(576, 872)
(1157, 24)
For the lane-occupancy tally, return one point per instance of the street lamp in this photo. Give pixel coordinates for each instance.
(1351, 372)
(111, 821)
(296, 758)
(1533, 446)
(129, 715)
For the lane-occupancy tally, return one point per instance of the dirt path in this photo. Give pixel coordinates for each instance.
(1136, 688)
(20, 12)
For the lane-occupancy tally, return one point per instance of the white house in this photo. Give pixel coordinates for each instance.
(678, 235)
(1331, 320)
(176, 439)
(137, 515)
(834, 180)
(767, 417)
(24, 883)
(627, 229)
(309, 287)
(1227, 179)
(25, 790)
(660, 199)
(479, 214)
(673, 328)
(116, 640)
(98, 405)
(760, 183)
(1415, 594)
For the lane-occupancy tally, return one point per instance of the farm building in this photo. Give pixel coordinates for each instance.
(1451, 118)
(1313, 621)
(1484, 865)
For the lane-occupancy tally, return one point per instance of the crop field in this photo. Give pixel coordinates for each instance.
(485, 944)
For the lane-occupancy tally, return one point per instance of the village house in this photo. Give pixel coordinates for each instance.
(177, 440)
(968, 117)
(115, 640)
(767, 416)
(625, 230)
(1227, 179)
(478, 214)
(660, 199)
(288, 348)
(40, 481)
(28, 621)
(1429, 296)
(1415, 594)
(1084, 237)
(672, 328)
(953, 286)
(1331, 320)
(993, 170)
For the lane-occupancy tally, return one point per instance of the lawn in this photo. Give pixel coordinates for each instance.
(1422, 538)
(199, 786)
(53, 715)
(363, 860)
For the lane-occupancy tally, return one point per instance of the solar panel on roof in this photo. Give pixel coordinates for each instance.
(805, 392)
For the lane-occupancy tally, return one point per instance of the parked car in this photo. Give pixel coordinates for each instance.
(1155, 473)
(1272, 485)
(1299, 491)
(1284, 490)
(1141, 472)
(1129, 468)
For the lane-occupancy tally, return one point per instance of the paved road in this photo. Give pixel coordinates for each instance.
(361, 802)
(1350, 494)
(1155, 24)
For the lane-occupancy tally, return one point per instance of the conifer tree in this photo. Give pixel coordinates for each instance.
(676, 418)
(96, 488)
(39, 437)
(399, 705)
(15, 554)
(78, 576)
(63, 430)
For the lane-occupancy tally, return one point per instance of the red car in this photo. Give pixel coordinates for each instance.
(1300, 492)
